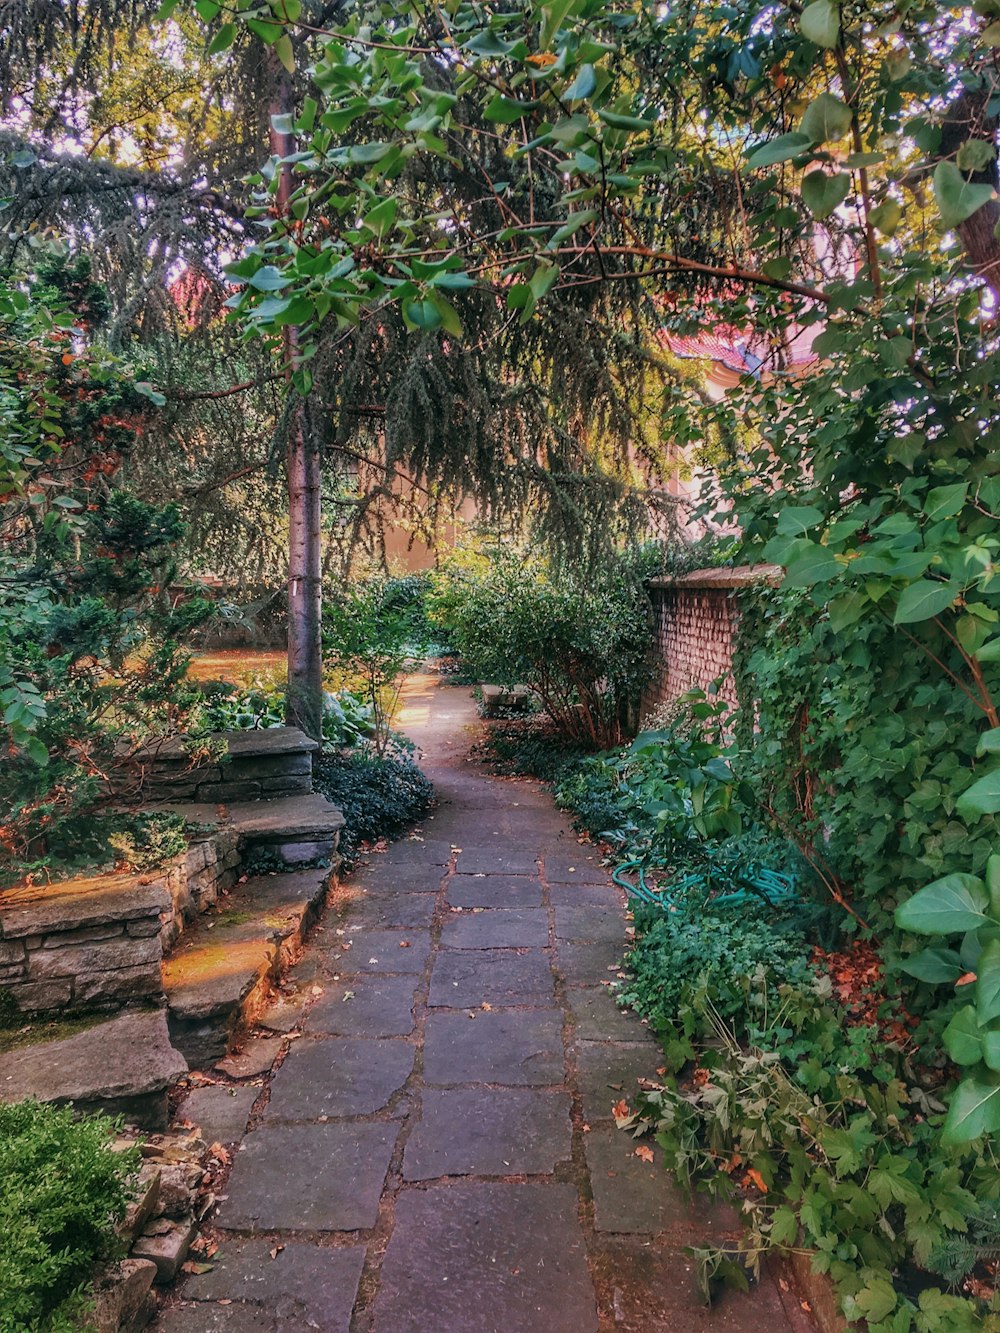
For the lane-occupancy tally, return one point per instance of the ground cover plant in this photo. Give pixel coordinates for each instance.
(62, 1192)
(804, 1075)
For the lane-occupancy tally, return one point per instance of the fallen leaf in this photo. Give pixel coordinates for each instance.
(276, 1251)
(756, 1179)
(191, 1267)
(966, 979)
(404, 944)
(488, 1008)
(620, 1110)
(643, 1153)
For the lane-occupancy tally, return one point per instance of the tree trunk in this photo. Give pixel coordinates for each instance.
(304, 699)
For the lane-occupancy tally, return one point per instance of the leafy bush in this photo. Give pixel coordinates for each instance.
(379, 796)
(146, 840)
(368, 639)
(728, 956)
(346, 718)
(579, 639)
(62, 1191)
(531, 747)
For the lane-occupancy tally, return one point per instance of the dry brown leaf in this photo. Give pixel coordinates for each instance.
(643, 1153)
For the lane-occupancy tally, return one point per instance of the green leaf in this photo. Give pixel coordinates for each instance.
(269, 279)
(937, 966)
(206, 10)
(989, 652)
(957, 198)
(147, 391)
(989, 742)
(450, 321)
(925, 599)
(878, 1299)
(954, 903)
(826, 118)
(974, 1110)
(799, 520)
(504, 110)
(887, 217)
(975, 155)
(822, 193)
(23, 159)
(223, 39)
(982, 798)
(620, 122)
(421, 315)
(583, 85)
(285, 53)
(820, 23)
(778, 150)
(963, 1037)
(988, 984)
(816, 566)
(36, 751)
(165, 11)
(381, 218)
(946, 501)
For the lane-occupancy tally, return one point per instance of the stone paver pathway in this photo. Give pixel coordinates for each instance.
(437, 1152)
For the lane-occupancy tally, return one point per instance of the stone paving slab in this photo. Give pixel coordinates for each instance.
(515, 1047)
(587, 963)
(502, 860)
(635, 1196)
(386, 913)
(374, 1005)
(256, 1056)
(591, 925)
(221, 1112)
(582, 866)
(380, 951)
(338, 1077)
(388, 881)
(417, 852)
(204, 1318)
(302, 1286)
(586, 895)
(468, 978)
(608, 1073)
(309, 1177)
(494, 891)
(652, 1287)
(497, 928)
(488, 1132)
(486, 1258)
(597, 1017)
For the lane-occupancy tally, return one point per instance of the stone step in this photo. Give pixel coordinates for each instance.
(300, 828)
(123, 1066)
(258, 764)
(218, 979)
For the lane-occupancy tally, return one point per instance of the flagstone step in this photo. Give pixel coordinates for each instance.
(220, 976)
(122, 1066)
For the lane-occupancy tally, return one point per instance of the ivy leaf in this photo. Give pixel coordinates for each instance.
(925, 599)
(957, 198)
(820, 23)
(822, 193)
(974, 1110)
(269, 279)
(826, 118)
(982, 798)
(954, 903)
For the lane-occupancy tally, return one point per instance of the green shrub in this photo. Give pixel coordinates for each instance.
(62, 1191)
(579, 639)
(379, 797)
(146, 840)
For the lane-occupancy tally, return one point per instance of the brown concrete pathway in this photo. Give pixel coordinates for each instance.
(437, 1152)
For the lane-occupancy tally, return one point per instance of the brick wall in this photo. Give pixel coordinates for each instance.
(695, 618)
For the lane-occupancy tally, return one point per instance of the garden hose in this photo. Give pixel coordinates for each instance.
(770, 886)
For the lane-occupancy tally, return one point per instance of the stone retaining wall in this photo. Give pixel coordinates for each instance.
(97, 943)
(695, 617)
(258, 765)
